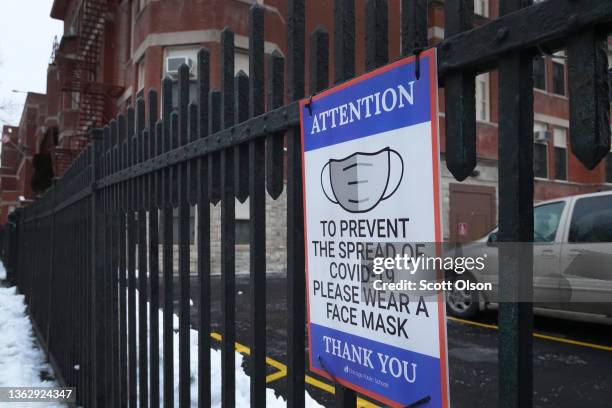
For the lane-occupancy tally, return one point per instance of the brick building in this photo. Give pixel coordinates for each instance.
(20, 156)
(113, 50)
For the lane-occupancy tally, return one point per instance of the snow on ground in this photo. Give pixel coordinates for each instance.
(243, 391)
(21, 360)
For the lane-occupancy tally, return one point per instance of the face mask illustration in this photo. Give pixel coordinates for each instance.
(360, 181)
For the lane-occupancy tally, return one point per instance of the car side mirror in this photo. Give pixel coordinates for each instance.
(492, 241)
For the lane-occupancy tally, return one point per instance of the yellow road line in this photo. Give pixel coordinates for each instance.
(538, 335)
(361, 403)
(276, 376)
(282, 372)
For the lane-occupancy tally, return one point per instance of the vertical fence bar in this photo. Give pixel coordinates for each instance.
(143, 350)
(376, 41)
(257, 211)
(413, 26)
(459, 90)
(344, 69)
(344, 40)
(104, 291)
(214, 161)
(203, 208)
(153, 253)
(319, 60)
(183, 241)
(115, 272)
(123, 339)
(227, 225)
(131, 262)
(241, 151)
(515, 224)
(168, 249)
(275, 143)
(296, 294)
(97, 264)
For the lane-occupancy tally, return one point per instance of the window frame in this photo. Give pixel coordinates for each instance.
(571, 236)
(483, 103)
(608, 171)
(544, 74)
(556, 232)
(484, 11)
(563, 75)
(560, 143)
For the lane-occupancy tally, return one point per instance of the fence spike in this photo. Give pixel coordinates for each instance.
(589, 97)
(459, 91)
(214, 162)
(275, 144)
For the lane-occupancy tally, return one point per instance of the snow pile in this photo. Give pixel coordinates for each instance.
(243, 391)
(21, 360)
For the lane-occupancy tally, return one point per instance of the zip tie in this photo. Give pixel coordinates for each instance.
(420, 402)
(309, 104)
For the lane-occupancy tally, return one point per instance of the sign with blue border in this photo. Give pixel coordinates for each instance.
(371, 178)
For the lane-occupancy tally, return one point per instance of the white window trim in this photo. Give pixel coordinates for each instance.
(483, 78)
(541, 126)
(484, 12)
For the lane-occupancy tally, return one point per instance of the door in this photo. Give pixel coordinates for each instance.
(472, 211)
(586, 261)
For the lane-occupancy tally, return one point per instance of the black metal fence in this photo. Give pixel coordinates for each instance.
(83, 251)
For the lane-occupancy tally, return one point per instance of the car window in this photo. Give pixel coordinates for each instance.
(592, 220)
(546, 221)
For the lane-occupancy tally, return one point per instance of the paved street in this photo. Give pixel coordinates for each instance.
(572, 359)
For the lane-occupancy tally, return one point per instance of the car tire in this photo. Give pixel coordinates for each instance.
(462, 303)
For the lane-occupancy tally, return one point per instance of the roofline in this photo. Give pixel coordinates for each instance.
(58, 9)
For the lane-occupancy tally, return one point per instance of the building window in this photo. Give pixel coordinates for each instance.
(592, 220)
(481, 7)
(482, 97)
(560, 163)
(560, 143)
(141, 75)
(75, 100)
(609, 168)
(242, 232)
(540, 162)
(558, 71)
(539, 73)
(174, 57)
(540, 151)
(241, 62)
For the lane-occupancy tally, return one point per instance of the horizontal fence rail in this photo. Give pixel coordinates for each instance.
(95, 255)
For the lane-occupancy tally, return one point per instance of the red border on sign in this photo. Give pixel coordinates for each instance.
(431, 54)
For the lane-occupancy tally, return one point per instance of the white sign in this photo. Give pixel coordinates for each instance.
(372, 181)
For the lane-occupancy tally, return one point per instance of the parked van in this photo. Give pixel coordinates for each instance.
(572, 259)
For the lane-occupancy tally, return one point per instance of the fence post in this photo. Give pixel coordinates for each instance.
(96, 277)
